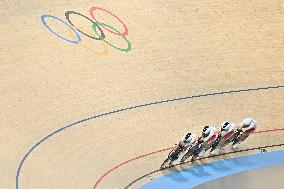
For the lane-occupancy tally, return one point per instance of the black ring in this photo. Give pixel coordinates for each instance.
(67, 15)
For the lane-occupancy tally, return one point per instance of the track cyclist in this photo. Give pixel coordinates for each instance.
(189, 140)
(228, 132)
(209, 137)
(206, 141)
(247, 127)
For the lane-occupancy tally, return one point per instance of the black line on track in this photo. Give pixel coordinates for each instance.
(208, 157)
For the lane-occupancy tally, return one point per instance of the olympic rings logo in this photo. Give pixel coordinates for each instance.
(97, 27)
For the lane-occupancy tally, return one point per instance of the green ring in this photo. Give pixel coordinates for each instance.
(102, 24)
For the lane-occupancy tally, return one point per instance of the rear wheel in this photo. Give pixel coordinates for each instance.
(186, 156)
(189, 153)
(194, 157)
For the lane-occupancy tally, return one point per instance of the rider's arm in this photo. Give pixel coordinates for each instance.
(239, 130)
(200, 140)
(181, 143)
(219, 137)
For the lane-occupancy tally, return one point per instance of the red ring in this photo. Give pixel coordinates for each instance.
(125, 33)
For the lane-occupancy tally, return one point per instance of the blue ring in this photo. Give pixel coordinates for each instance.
(56, 18)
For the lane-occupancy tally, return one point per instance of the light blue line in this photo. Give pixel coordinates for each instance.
(127, 109)
(195, 176)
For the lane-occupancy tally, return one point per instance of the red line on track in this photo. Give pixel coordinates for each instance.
(267, 131)
(128, 161)
(156, 152)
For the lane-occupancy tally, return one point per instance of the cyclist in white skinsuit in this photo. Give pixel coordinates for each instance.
(227, 130)
(227, 127)
(188, 140)
(209, 134)
(247, 126)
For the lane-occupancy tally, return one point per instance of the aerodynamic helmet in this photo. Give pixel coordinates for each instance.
(189, 137)
(206, 131)
(225, 126)
(247, 122)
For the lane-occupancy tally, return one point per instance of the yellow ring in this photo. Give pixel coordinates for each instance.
(104, 52)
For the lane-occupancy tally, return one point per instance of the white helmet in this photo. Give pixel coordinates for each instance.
(248, 122)
(189, 138)
(206, 131)
(227, 126)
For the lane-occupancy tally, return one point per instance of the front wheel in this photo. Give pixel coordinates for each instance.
(173, 155)
(194, 157)
(165, 162)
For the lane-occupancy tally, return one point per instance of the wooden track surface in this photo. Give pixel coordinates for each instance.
(179, 49)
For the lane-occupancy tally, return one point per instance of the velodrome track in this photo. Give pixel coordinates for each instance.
(84, 113)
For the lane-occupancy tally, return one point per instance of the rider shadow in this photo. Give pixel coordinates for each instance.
(242, 162)
(197, 170)
(218, 165)
(174, 174)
